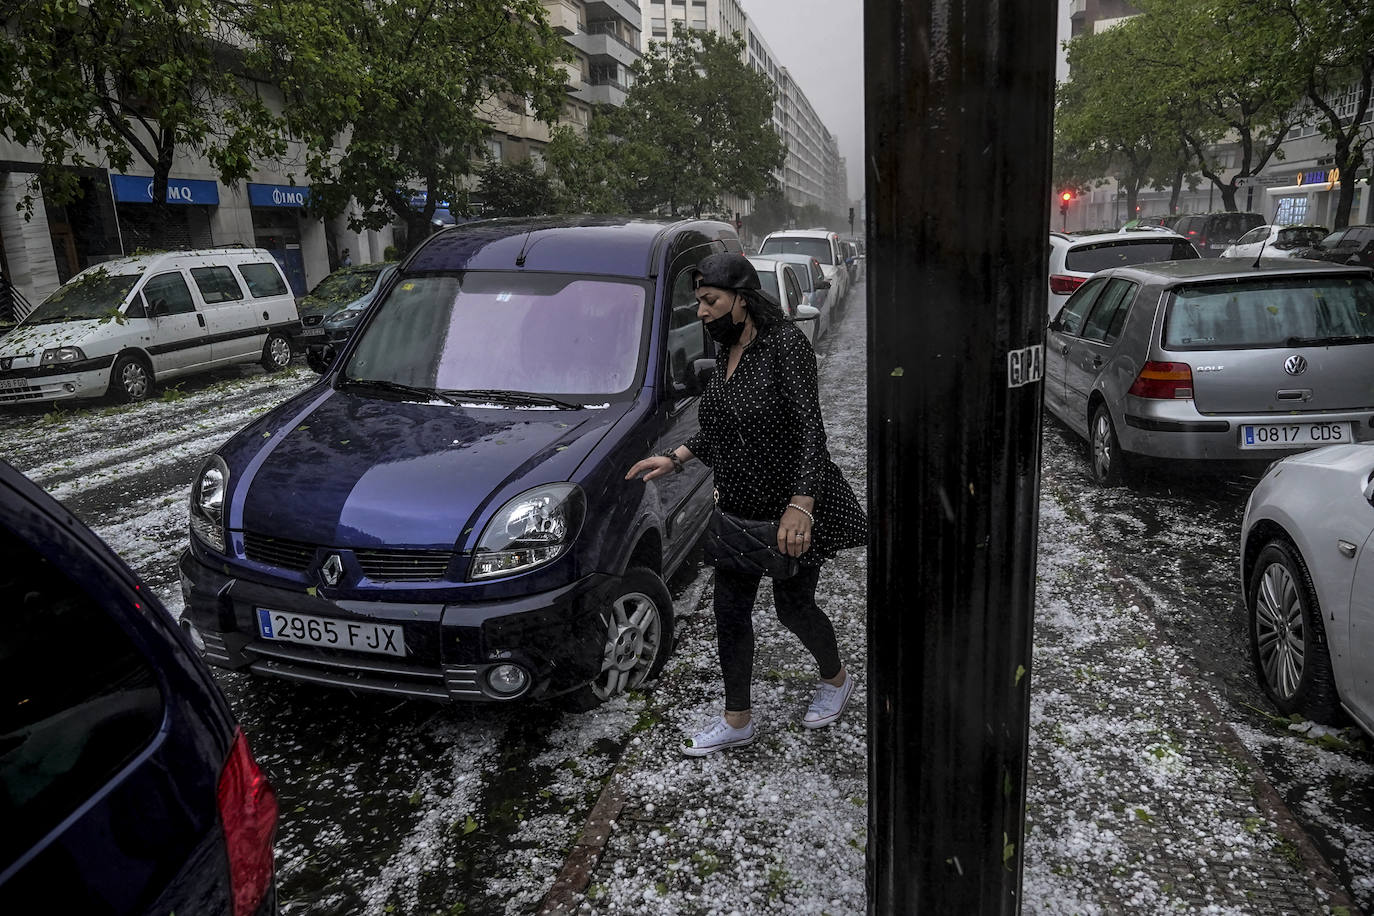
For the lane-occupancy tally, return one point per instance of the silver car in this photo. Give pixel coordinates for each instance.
(815, 287)
(780, 282)
(1307, 570)
(1213, 359)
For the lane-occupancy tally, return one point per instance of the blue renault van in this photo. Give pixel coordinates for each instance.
(445, 514)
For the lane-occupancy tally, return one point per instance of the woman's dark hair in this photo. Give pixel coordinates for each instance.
(761, 307)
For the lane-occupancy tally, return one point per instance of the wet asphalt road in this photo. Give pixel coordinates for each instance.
(467, 809)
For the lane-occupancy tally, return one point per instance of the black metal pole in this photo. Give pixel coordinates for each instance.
(958, 158)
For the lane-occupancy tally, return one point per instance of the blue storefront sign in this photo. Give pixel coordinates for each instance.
(138, 189)
(277, 195)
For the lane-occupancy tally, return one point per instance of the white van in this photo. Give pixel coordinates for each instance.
(123, 325)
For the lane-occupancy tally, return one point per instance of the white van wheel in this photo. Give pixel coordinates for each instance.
(276, 353)
(130, 380)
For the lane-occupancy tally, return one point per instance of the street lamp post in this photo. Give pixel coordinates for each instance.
(958, 96)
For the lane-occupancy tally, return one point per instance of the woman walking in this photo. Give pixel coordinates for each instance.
(761, 433)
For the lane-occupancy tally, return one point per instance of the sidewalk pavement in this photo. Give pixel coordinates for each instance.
(1140, 798)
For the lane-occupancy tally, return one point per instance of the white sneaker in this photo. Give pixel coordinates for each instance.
(829, 702)
(717, 737)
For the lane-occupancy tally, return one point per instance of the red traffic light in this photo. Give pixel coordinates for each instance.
(1066, 196)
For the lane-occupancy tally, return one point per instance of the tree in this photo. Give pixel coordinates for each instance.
(1335, 52)
(515, 189)
(410, 90)
(583, 169)
(696, 125)
(1109, 116)
(1225, 74)
(119, 80)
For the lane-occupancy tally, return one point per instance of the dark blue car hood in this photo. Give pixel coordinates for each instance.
(355, 471)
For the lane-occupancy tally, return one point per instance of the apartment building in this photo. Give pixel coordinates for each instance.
(813, 173)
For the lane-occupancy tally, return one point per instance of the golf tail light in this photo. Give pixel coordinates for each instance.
(248, 813)
(1164, 381)
(535, 528)
(1063, 284)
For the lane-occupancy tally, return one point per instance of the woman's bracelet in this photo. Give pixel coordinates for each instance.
(671, 455)
(806, 512)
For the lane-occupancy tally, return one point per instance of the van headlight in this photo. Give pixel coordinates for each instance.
(58, 355)
(535, 528)
(207, 502)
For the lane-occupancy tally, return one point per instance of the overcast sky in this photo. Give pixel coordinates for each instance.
(821, 43)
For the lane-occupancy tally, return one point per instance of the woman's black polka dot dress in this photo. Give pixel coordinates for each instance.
(761, 432)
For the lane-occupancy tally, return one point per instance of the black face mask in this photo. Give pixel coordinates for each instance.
(723, 330)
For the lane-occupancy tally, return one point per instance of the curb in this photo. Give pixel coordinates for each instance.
(586, 853)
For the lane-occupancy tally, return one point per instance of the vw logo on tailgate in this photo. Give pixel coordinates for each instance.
(1295, 365)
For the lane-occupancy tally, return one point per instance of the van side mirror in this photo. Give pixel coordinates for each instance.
(822, 284)
(158, 308)
(807, 313)
(702, 370)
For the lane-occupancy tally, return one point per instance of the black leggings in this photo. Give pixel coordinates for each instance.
(795, 599)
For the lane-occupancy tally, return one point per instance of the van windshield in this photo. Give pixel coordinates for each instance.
(813, 248)
(487, 331)
(1274, 312)
(96, 295)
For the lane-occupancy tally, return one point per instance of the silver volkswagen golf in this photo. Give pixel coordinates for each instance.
(1214, 360)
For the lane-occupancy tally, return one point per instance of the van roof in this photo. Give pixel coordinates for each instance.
(139, 263)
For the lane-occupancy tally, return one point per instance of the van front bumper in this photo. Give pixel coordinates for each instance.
(89, 378)
(557, 637)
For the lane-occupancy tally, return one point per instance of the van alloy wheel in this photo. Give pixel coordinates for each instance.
(131, 379)
(634, 639)
(276, 353)
(1287, 636)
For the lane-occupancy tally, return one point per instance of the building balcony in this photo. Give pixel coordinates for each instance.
(603, 93)
(1077, 8)
(573, 74)
(565, 17)
(624, 9)
(604, 48)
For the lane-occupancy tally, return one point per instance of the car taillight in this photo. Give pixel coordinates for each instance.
(1164, 380)
(248, 811)
(1063, 284)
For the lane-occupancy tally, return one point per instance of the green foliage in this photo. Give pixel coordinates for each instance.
(696, 125)
(583, 168)
(414, 89)
(131, 83)
(515, 189)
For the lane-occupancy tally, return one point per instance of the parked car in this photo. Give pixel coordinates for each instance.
(1205, 360)
(445, 515)
(1351, 245)
(1275, 241)
(1213, 233)
(125, 784)
(779, 281)
(338, 326)
(815, 287)
(1147, 222)
(343, 288)
(821, 244)
(1073, 259)
(1307, 574)
(125, 325)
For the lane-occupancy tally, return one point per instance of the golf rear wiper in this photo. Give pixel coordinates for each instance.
(381, 384)
(1333, 341)
(503, 396)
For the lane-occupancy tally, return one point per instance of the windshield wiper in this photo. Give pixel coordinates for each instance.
(1334, 341)
(381, 384)
(502, 396)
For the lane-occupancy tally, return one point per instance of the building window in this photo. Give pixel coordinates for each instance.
(494, 150)
(1291, 210)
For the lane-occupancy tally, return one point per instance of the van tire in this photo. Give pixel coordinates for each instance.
(639, 638)
(131, 379)
(276, 353)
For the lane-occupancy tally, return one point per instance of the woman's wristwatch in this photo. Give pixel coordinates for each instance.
(671, 455)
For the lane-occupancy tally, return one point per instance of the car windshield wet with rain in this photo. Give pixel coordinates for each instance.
(98, 295)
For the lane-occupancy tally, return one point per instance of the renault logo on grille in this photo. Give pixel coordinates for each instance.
(332, 570)
(1295, 365)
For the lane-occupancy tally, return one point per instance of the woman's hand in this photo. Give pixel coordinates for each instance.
(653, 467)
(794, 530)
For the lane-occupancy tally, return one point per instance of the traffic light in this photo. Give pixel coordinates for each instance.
(851, 220)
(739, 223)
(1065, 198)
